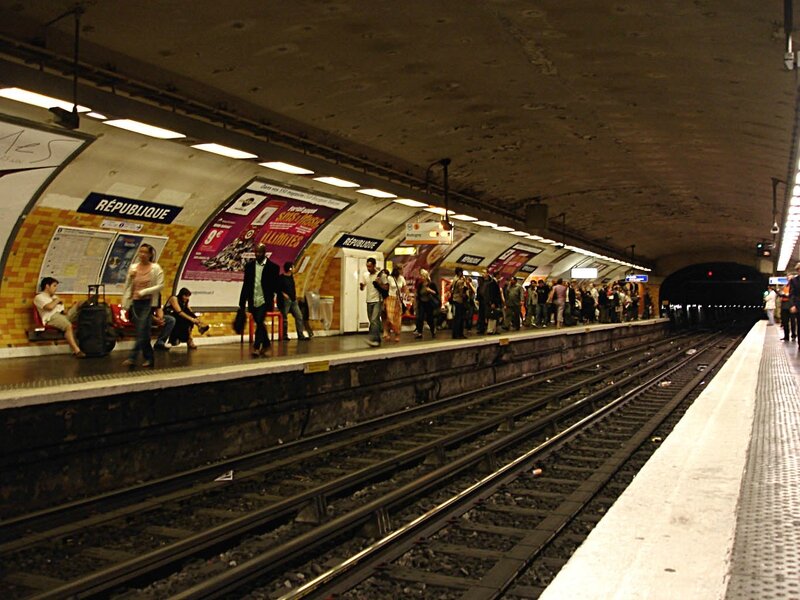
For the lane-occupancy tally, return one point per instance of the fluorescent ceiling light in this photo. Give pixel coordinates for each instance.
(286, 168)
(410, 202)
(520, 233)
(546, 241)
(35, 99)
(224, 151)
(503, 228)
(145, 129)
(464, 217)
(96, 115)
(376, 193)
(535, 237)
(435, 210)
(342, 183)
(485, 223)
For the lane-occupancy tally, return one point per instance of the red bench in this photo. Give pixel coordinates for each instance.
(42, 332)
(273, 316)
(122, 323)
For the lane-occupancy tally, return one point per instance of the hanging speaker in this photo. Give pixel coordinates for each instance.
(536, 216)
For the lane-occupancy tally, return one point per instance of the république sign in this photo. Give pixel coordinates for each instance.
(142, 210)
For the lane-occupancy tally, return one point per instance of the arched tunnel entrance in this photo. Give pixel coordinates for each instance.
(707, 292)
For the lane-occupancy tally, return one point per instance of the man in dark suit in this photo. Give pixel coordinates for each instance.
(261, 283)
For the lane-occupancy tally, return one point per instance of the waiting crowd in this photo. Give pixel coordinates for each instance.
(491, 305)
(485, 303)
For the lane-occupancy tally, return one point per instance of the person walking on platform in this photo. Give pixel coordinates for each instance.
(480, 297)
(458, 299)
(290, 304)
(259, 287)
(51, 312)
(427, 303)
(558, 297)
(377, 287)
(394, 304)
(143, 286)
(788, 318)
(513, 297)
(542, 292)
(769, 304)
(794, 296)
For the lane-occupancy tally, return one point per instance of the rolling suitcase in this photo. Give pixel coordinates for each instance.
(96, 337)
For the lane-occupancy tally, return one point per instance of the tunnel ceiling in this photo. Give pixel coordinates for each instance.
(657, 124)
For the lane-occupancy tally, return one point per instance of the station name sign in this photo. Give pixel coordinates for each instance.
(358, 242)
(637, 278)
(470, 259)
(102, 204)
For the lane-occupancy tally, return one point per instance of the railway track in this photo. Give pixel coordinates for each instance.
(290, 500)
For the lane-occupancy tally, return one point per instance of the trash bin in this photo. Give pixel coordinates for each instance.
(326, 311)
(312, 299)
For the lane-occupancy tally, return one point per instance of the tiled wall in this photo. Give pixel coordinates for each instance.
(20, 279)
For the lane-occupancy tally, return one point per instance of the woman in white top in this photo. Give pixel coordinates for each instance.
(394, 305)
(769, 304)
(142, 292)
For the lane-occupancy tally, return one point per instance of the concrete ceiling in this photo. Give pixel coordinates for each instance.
(657, 124)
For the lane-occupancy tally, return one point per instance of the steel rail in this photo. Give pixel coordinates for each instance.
(252, 569)
(363, 564)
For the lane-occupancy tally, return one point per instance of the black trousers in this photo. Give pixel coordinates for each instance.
(262, 339)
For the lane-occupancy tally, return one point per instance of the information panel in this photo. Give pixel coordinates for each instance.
(81, 257)
(76, 257)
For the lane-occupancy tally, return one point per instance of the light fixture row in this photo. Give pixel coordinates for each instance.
(48, 102)
(791, 226)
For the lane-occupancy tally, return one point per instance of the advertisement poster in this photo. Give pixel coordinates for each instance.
(511, 261)
(283, 219)
(122, 255)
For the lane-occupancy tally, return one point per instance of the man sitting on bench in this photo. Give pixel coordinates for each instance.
(51, 311)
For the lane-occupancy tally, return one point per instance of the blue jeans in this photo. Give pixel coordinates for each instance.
(142, 316)
(541, 314)
(169, 323)
(291, 306)
(374, 315)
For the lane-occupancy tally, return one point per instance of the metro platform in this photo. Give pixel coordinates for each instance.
(50, 377)
(715, 512)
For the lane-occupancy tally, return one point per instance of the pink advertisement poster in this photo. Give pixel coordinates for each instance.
(427, 257)
(511, 261)
(284, 219)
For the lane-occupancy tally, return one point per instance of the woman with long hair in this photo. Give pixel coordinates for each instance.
(142, 288)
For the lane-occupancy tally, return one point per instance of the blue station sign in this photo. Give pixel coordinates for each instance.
(636, 278)
(128, 208)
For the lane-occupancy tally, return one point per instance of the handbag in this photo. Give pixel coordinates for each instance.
(239, 320)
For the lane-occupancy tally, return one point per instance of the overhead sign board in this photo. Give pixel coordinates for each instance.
(636, 278)
(428, 233)
(778, 280)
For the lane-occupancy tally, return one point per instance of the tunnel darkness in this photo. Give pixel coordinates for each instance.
(715, 284)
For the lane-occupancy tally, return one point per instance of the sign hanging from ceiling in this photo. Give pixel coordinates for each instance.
(428, 233)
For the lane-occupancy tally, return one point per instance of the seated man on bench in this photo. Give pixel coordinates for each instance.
(51, 311)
